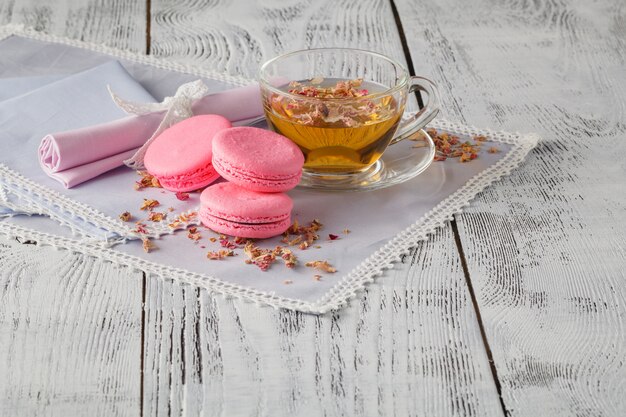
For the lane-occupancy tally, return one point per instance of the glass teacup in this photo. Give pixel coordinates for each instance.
(342, 107)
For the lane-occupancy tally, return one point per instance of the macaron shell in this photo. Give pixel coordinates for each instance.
(223, 168)
(252, 231)
(189, 183)
(229, 201)
(249, 154)
(233, 210)
(180, 157)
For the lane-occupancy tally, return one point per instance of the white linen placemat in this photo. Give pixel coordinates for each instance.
(383, 224)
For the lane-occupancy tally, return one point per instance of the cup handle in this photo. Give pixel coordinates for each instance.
(424, 115)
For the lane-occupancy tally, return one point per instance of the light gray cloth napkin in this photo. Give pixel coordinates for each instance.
(35, 106)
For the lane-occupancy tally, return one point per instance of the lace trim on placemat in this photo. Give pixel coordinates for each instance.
(347, 288)
(36, 198)
(339, 295)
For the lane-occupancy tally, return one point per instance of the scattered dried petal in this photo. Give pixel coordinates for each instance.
(182, 196)
(194, 234)
(227, 244)
(287, 282)
(147, 180)
(175, 224)
(187, 217)
(148, 245)
(323, 266)
(149, 204)
(126, 216)
(317, 277)
(304, 235)
(216, 255)
(156, 216)
(493, 149)
(264, 258)
(140, 228)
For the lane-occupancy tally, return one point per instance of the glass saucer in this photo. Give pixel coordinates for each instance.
(400, 162)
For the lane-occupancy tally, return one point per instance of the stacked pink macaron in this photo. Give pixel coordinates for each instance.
(180, 157)
(259, 165)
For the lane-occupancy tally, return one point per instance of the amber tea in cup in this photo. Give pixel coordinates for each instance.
(336, 135)
(342, 122)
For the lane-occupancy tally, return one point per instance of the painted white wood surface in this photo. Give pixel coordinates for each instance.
(410, 346)
(70, 326)
(545, 251)
(70, 334)
(546, 247)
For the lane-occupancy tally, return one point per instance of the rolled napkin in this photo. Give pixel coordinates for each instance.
(75, 156)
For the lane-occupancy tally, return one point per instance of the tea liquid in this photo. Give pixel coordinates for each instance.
(336, 135)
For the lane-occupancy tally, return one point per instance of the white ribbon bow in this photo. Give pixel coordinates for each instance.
(177, 109)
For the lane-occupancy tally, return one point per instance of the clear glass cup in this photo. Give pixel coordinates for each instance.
(342, 107)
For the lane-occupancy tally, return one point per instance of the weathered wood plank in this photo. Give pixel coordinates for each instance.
(117, 23)
(236, 36)
(70, 334)
(546, 246)
(70, 326)
(408, 347)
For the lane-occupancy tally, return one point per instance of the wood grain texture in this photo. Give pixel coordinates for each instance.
(70, 326)
(236, 36)
(70, 334)
(546, 247)
(408, 347)
(117, 23)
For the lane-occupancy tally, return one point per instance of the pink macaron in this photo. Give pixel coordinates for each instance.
(180, 157)
(229, 209)
(257, 159)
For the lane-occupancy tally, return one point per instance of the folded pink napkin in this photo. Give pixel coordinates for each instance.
(76, 156)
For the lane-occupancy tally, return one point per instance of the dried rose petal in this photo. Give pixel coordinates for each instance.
(156, 216)
(194, 234)
(493, 149)
(149, 204)
(148, 245)
(175, 224)
(140, 228)
(304, 235)
(187, 217)
(126, 216)
(323, 266)
(216, 255)
(227, 244)
(182, 196)
(332, 237)
(147, 180)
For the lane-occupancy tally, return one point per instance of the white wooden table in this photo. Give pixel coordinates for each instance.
(517, 308)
